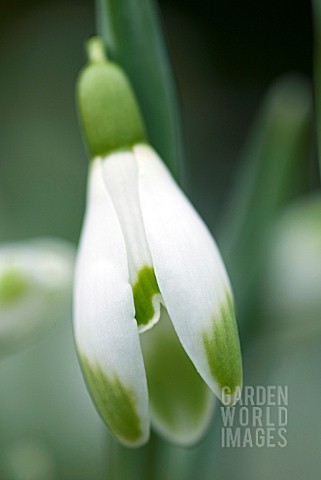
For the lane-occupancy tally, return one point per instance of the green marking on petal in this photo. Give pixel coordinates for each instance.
(144, 290)
(12, 286)
(222, 348)
(115, 403)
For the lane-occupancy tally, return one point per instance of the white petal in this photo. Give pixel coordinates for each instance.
(35, 288)
(191, 276)
(105, 328)
(120, 175)
(181, 403)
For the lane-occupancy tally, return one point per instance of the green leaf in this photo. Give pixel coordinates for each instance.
(273, 170)
(317, 69)
(133, 36)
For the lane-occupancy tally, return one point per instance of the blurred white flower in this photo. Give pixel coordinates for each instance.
(27, 459)
(293, 276)
(35, 288)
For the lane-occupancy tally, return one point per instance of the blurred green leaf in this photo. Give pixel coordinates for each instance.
(317, 68)
(273, 170)
(133, 35)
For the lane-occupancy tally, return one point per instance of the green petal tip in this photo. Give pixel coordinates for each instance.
(223, 352)
(115, 403)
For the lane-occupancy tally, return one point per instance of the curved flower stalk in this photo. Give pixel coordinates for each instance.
(144, 250)
(35, 286)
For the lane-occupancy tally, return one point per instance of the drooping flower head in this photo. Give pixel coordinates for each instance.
(146, 263)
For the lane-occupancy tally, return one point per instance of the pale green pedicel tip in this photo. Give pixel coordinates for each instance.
(143, 291)
(95, 49)
(115, 403)
(222, 347)
(12, 287)
(108, 110)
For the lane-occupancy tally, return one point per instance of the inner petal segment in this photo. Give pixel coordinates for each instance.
(121, 179)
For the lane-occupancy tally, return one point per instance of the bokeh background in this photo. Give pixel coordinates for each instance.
(225, 56)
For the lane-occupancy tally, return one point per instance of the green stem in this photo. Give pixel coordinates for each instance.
(132, 464)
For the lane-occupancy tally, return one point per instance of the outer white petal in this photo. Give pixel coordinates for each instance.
(35, 288)
(120, 175)
(105, 328)
(191, 276)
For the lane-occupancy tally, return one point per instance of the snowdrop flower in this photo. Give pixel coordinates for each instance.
(35, 288)
(145, 257)
(293, 270)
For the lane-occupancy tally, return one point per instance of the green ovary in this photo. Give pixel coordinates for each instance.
(115, 403)
(143, 291)
(222, 348)
(12, 287)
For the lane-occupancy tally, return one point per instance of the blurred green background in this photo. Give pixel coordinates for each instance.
(225, 57)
